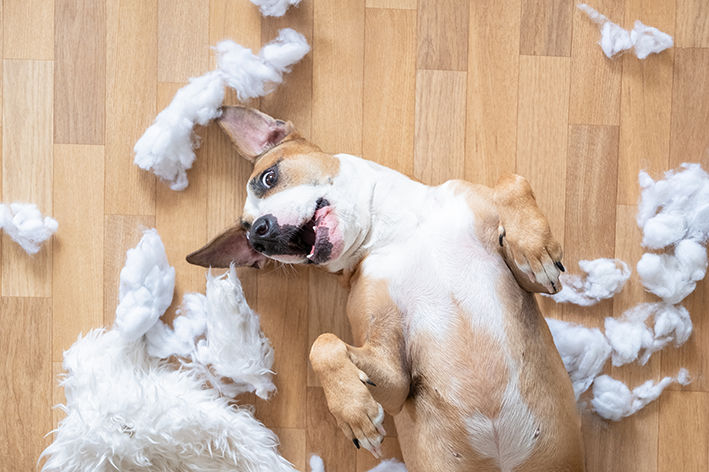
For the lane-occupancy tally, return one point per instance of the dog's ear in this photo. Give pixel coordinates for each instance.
(229, 247)
(251, 131)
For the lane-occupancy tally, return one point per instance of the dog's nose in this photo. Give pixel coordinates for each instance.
(262, 226)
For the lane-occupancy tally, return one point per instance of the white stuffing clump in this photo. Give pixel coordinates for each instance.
(167, 147)
(391, 465)
(274, 7)
(613, 400)
(164, 342)
(24, 223)
(615, 39)
(129, 411)
(673, 277)
(583, 350)
(147, 285)
(604, 278)
(630, 335)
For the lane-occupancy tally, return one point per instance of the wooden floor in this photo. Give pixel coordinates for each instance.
(436, 89)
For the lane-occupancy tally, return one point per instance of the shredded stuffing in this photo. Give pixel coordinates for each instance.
(604, 278)
(391, 465)
(23, 222)
(615, 39)
(274, 7)
(167, 147)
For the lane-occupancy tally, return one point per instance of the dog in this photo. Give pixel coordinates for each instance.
(449, 337)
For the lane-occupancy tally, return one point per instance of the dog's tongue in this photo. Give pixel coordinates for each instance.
(325, 227)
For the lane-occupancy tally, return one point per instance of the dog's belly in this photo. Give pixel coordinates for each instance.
(477, 347)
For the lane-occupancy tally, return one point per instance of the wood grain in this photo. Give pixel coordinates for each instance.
(439, 143)
(492, 90)
(131, 95)
(692, 24)
(78, 248)
(80, 72)
(546, 28)
(338, 67)
(339, 454)
(690, 109)
(442, 35)
(683, 432)
(183, 39)
(595, 79)
(390, 88)
(27, 168)
(394, 4)
(26, 395)
(28, 31)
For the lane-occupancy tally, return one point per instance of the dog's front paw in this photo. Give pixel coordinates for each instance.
(357, 413)
(535, 252)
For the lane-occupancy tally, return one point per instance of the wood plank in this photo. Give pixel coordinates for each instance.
(442, 35)
(684, 442)
(546, 28)
(439, 142)
(78, 247)
(327, 313)
(292, 100)
(181, 218)
(595, 79)
(690, 108)
(493, 84)
(27, 168)
(325, 438)
(591, 179)
(292, 446)
(131, 94)
(692, 24)
(283, 306)
(26, 395)
(28, 30)
(121, 233)
(80, 72)
(338, 67)
(238, 20)
(390, 88)
(542, 132)
(646, 103)
(183, 39)
(393, 4)
(58, 396)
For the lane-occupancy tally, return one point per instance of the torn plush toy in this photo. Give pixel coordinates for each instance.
(615, 39)
(167, 147)
(24, 223)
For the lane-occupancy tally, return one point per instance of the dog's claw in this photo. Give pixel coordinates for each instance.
(356, 442)
(369, 382)
(560, 266)
(553, 287)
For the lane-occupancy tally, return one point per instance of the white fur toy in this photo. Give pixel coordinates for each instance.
(129, 411)
(24, 224)
(167, 147)
(614, 39)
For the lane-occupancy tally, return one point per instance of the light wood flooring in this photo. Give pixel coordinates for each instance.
(436, 89)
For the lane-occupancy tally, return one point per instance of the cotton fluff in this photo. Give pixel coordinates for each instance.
(674, 212)
(583, 350)
(614, 39)
(274, 7)
(167, 147)
(23, 222)
(147, 285)
(630, 335)
(604, 278)
(674, 208)
(613, 400)
(129, 411)
(255, 76)
(391, 465)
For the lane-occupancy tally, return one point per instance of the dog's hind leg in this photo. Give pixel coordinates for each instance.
(526, 241)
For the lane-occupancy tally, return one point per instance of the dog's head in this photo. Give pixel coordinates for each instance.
(293, 210)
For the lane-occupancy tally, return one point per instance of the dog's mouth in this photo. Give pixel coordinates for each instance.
(313, 238)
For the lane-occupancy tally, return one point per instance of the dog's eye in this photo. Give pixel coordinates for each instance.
(268, 179)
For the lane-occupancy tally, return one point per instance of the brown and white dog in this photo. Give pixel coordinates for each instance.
(450, 338)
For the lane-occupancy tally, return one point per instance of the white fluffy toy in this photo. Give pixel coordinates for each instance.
(167, 147)
(129, 410)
